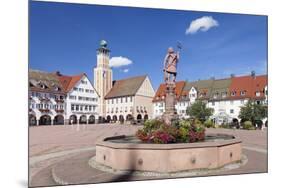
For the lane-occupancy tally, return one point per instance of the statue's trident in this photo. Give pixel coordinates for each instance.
(179, 46)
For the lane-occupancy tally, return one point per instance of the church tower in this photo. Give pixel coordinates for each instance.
(102, 75)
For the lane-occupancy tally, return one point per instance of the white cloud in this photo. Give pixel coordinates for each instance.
(119, 61)
(126, 70)
(201, 24)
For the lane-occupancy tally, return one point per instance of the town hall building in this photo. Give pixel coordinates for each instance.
(121, 100)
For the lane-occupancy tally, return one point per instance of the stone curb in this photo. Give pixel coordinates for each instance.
(57, 179)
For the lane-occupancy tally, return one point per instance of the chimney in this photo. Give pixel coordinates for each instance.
(253, 74)
(58, 73)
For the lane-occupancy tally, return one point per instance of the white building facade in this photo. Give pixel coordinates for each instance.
(225, 96)
(130, 99)
(81, 101)
(56, 99)
(46, 99)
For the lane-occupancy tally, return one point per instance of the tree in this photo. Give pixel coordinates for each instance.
(199, 111)
(253, 112)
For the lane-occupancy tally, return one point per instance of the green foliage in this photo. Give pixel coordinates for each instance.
(184, 124)
(199, 111)
(183, 134)
(152, 124)
(209, 123)
(248, 125)
(253, 112)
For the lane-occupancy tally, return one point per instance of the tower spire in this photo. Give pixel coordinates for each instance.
(103, 75)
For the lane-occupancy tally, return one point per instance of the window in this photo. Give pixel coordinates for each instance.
(126, 99)
(121, 100)
(258, 102)
(213, 103)
(86, 107)
(87, 91)
(75, 89)
(231, 111)
(116, 100)
(90, 108)
(216, 95)
(77, 108)
(224, 94)
(233, 93)
(258, 93)
(81, 108)
(131, 99)
(242, 93)
(72, 107)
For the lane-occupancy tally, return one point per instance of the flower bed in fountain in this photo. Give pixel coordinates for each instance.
(158, 147)
(182, 131)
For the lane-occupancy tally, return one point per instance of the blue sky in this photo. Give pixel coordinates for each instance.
(65, 37)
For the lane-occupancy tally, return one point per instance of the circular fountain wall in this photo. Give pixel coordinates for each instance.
(127, 153)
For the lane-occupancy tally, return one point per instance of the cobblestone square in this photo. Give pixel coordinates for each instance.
(60, 154)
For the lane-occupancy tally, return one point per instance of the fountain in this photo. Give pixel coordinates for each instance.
(130, 153)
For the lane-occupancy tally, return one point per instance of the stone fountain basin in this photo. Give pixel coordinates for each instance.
(125, 153)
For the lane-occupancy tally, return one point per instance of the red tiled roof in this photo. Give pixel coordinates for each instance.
(68, 82)
(250, 84)
(161, 91)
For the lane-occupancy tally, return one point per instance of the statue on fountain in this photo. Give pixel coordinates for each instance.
(170, 66)
(170, 74)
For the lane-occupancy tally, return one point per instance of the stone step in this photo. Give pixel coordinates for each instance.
(43, 178)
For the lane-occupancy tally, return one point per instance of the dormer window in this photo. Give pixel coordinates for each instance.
(258, 93)
(233, 93)
(216, 95)
(242, 93)
(42, 86)
(57, 88)
(224, 94)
